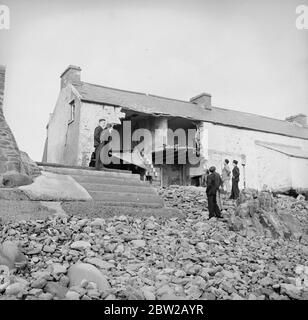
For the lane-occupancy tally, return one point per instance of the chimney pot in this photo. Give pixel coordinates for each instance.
(298, 118)
(204, 100)
(70, 75)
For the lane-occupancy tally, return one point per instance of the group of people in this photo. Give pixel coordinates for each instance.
(215, 182)
(102, 136)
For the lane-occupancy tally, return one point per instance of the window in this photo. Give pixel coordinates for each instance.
(72, 111)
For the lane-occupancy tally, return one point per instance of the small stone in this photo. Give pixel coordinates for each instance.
(138, 243)
(148, 294)
(55, 289)
(58, 269)
(102, 264)
(72, 295)
(46, 296)
(150, 225)
(98, 222)
(80, 245)
(93, 293)
(49, 249)
(291, 290)
(15, 288)
(39, 283)
(64, 281)
(35, 259)
(35, 292)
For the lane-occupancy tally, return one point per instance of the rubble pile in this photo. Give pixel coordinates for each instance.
(190, 199)
(124, 257)
(261, 213)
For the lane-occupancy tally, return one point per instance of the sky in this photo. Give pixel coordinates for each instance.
(247, 54)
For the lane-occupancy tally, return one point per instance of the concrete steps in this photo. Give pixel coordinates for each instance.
(113, 188)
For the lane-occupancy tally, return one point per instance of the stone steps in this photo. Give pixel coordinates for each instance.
(110, 181)
(148, 198)
(91, 173)
(117, 188)
(113, 187)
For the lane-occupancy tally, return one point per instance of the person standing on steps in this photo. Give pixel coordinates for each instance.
(95, 158)
(213, 183)
(235, 180)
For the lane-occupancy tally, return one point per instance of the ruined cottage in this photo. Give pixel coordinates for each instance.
(269, 151)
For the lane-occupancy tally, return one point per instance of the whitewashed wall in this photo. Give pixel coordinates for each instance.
(299, 170)
(262, 165)
(57, 127)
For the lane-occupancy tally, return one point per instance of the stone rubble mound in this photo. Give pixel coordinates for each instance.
(128, 258)
(261, 213)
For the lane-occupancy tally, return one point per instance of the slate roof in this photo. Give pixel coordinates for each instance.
(292, 151)
(160, 106)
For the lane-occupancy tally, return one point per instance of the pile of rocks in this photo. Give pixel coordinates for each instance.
(190, 199)
(125, 257)
(261, 213)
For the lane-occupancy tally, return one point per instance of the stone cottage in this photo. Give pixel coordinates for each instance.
(270, 152)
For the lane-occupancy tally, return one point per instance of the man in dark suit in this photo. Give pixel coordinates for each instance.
(213, 183)
(235, 179)
(95, 159)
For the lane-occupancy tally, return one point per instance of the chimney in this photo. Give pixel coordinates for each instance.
(2, 77)
(70, 75)
(299, 119)
(203, 100)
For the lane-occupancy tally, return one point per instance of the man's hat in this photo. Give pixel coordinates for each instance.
(212, 169)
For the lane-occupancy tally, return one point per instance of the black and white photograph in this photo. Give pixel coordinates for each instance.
(154, 154)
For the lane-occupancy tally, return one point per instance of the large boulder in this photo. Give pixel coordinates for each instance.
(55, 187)
(11, 255)
(257, 212)
(14, 179)
(86, 271)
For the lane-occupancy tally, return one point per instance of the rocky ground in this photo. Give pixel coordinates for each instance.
(185, 257)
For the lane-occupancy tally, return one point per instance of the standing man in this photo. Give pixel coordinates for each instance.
(226, 176)
(213, 183)
(97, 141)
(235, 179)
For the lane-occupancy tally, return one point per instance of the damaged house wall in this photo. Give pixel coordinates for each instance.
(263, 166)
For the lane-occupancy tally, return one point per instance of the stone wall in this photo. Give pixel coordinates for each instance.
(62, 144)
(10, 159)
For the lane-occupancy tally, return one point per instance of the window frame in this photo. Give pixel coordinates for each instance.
(72, 105)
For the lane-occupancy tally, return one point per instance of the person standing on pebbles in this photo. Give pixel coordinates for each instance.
(213, 183)
(235, 179)
(226, 176)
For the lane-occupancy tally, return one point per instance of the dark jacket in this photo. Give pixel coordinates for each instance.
(97, 136)
(213, 183)
(236, 174)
